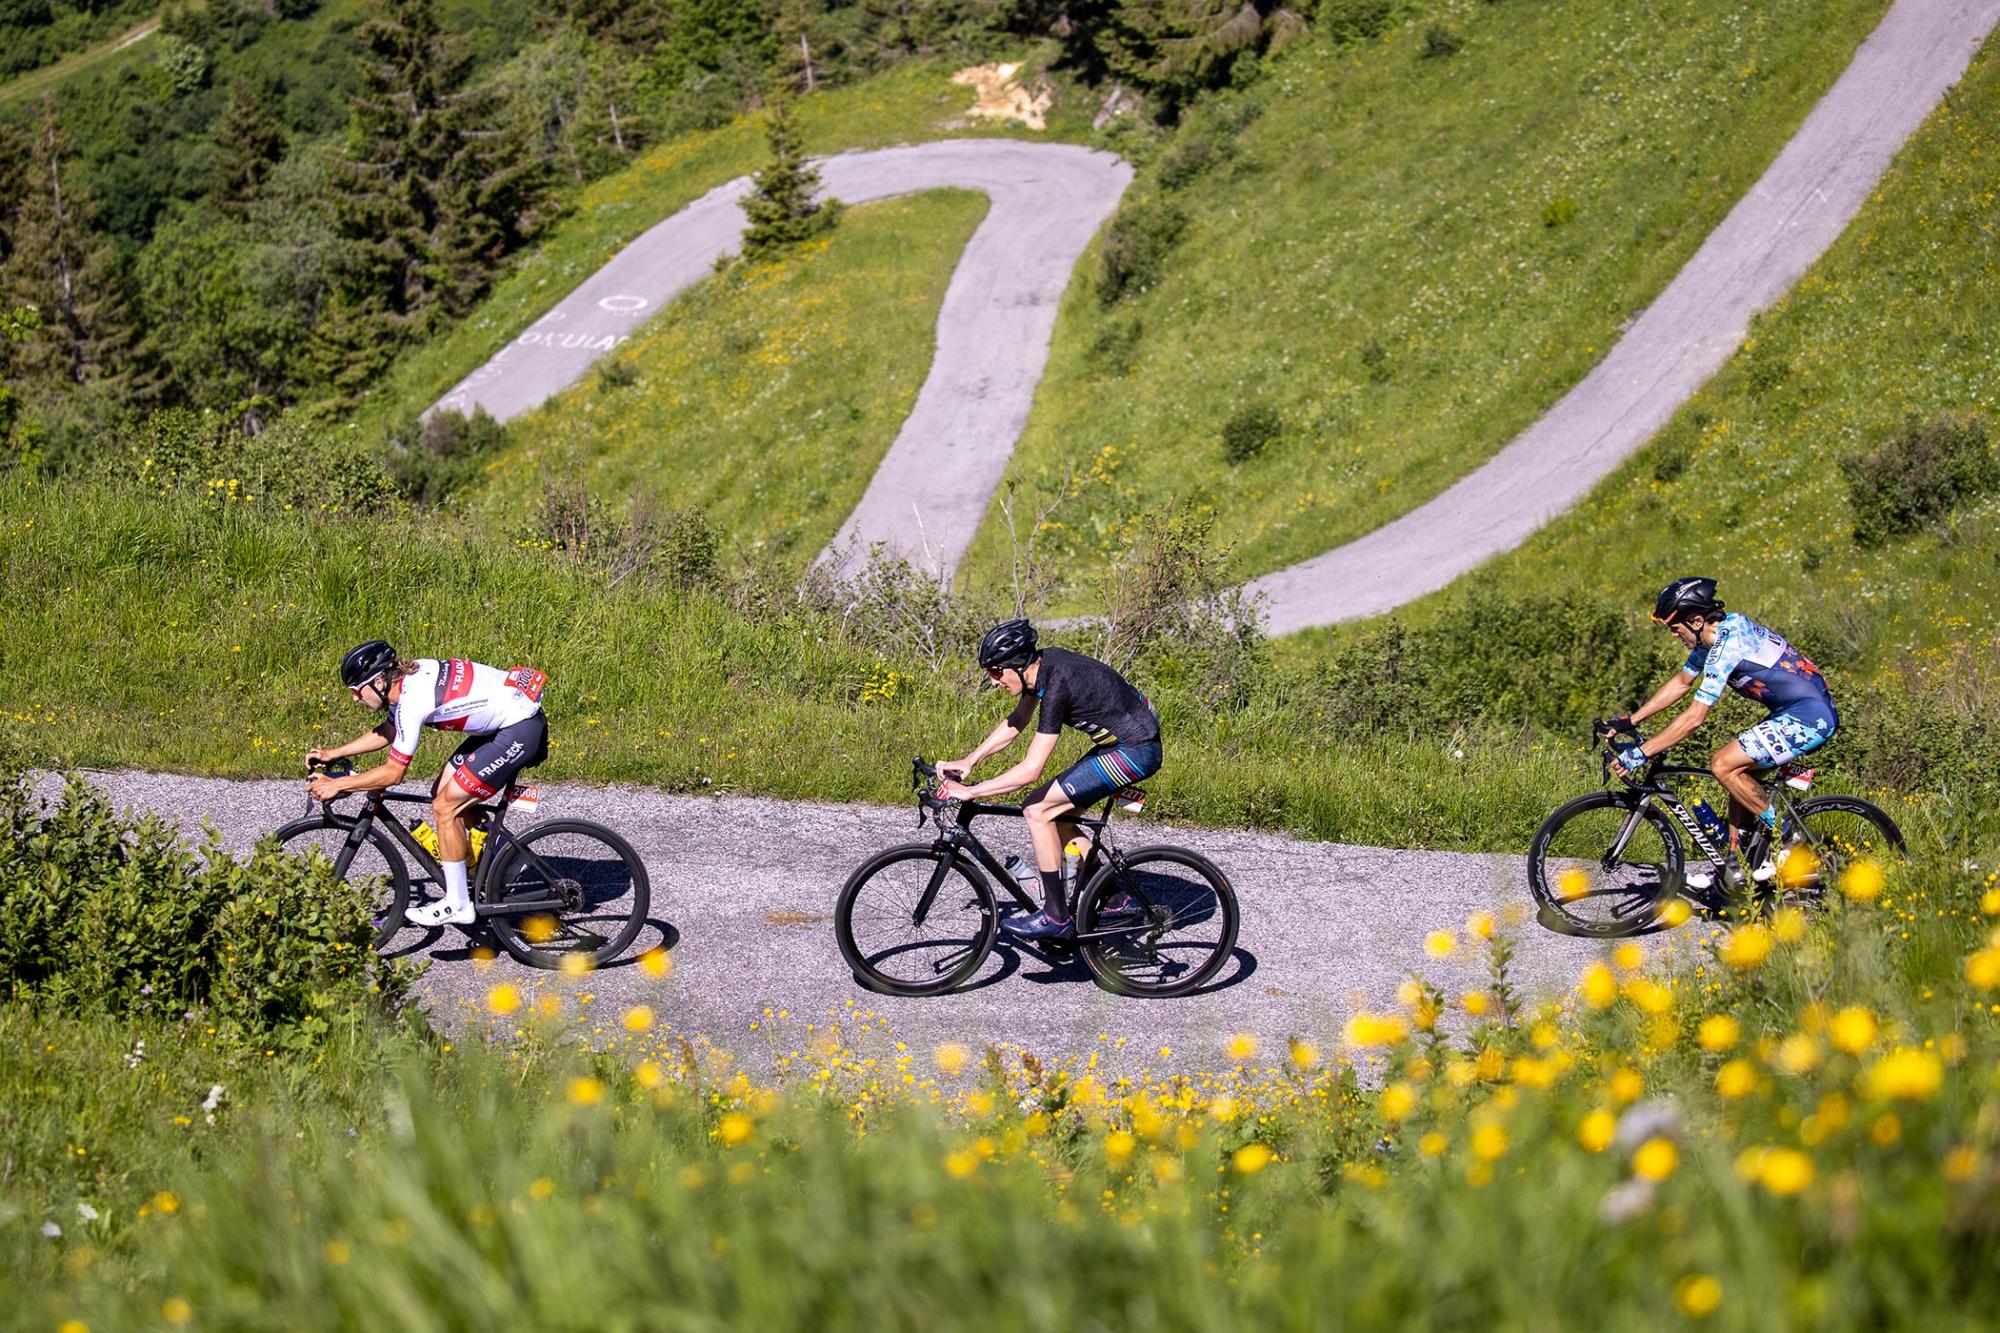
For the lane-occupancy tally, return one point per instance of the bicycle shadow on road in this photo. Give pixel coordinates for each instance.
(479, 942)
(1067, 967)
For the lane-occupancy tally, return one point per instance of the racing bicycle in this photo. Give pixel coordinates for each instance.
(920, 918)
(1608, 863)
(560, 889)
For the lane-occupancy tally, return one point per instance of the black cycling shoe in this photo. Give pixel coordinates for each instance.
(1121, 904)
(1040, 926)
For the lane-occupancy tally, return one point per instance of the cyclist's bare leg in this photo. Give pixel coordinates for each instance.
(449, 802)
(1737, 772)
(1048, 828)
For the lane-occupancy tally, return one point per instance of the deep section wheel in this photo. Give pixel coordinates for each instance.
(586, 888)
(1602, 866)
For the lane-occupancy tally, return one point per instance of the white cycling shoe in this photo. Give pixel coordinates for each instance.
(441, 913)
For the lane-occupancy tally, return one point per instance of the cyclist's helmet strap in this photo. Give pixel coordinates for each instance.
(1691, 595)
(366, 661)
(1011, 643)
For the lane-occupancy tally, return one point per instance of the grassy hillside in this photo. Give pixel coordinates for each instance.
(1746, 483)
(766, 397)
(906, 105)
(1405, 259)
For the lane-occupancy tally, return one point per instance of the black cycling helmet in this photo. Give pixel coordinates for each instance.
(1687, 596)
(1011, 643)
(365, 662)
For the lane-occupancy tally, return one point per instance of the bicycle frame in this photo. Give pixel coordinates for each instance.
(497, 832)
(957, 837)
(1654, 786)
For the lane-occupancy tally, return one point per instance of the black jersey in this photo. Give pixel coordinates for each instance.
(1082, 692)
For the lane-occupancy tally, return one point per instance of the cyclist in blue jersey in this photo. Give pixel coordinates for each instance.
(1072, 690)
(1727, 649)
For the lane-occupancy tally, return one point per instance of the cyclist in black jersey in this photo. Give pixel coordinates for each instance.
(1069, 689)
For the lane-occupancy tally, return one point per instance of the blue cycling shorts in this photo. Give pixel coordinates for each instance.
(1106, 769)
(1790, 732)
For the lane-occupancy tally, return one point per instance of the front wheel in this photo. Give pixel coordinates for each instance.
(373, 868)
(586, 888)
(1161, 923)
(1605, 866)
(915, 920)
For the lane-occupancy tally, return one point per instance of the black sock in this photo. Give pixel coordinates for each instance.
(1052, 895)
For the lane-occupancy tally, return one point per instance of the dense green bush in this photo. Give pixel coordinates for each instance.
(433, 457)
(1918, 476)
(1347, 21)
(1440, 43)
(295, 463)
(1250, 431)
(105, 915)
(1135, 248)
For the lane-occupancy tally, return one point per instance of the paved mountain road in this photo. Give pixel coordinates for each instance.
(747, 887)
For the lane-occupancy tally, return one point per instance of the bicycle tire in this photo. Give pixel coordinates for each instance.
(964, 955)
(1144, 963)
(385, 910)
(1634, 911)
(1830, 859)
(622, 898)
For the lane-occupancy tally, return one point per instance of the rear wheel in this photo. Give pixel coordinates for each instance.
(1162, 924)
(1830, 834)
(594, 887)
(374, 869)
(915, 920)
(1604, 866)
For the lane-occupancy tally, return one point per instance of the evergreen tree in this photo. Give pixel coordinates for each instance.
(249, 144)
(67, 272)
(781, 209)
(438, 187)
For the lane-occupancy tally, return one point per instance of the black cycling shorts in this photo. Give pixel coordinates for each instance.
(484, 765)
(1103, 771)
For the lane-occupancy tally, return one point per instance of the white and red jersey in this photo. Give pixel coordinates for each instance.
(454, 694)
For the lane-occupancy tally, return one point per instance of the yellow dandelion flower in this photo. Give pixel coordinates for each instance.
(175, 1310)
(1223, 1109)
(1649, 995)
(1798, 1054)
(1371, 1029)
(1852, 1030)
(577, 964)
(338, 1252)
(951, 1058)
(1747, 946)
(1597, 1130)
(1675, 912)
(1625, 1085)
(586, 1091)
(539, 928)
(1785, 1171)
(734, 1128)
(1798, 867)
(1862, 882)
(1480, 925)
(1718, 1032)
(1250, 1159)
(1736, 1079)
(504, 998)
(1788, 925)
(1598, 987)
(1433, 1144)
(166, 1202)
(1572, 884)
(1989, 902)
(1241, 1046)
(1630, 956)
(1697, 1295)
(1304, 1054)
(1906, 1074)
(1655, 1159)
(1960, 1164)
(1440, 944)
(543, 1188)
(1982, 969)
(1118, 1145)
(1489, 1142)
(639, 1018)
(656, 962)
(1398, 1100)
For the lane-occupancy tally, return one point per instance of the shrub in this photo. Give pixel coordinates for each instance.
(1375, 362)
(1135, 248)
(1440, 42)
(109, 916)
(294, 462)
(1191, 155)
(1349, 21)
(1115, 346)
(433, 457)
(653, 544)
(615, 375)
(1918, 476)
(1560, 212)
(1249, 431)
(1180, 619)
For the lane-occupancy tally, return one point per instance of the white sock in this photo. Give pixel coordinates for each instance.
(456, 896)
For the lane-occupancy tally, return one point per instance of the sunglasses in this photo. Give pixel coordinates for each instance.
(997, 674)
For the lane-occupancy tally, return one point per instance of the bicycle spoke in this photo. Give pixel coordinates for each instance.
(1178, 933)
(599, 893)
(1605, 868)
(916, 920)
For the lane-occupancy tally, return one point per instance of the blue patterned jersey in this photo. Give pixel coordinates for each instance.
(1758, 664)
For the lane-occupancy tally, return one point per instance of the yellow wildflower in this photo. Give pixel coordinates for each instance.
(1718, 1032)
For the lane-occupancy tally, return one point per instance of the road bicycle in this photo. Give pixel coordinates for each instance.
(1608, 863)
(561, 889)
(920, 918)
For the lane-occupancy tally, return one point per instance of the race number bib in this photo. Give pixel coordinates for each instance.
(528, 681)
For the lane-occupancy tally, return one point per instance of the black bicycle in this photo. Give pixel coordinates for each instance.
(561, 889)
(920, 918)
(1608, 863)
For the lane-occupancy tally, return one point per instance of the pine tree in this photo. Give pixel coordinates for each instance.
(249, 144)
(781, 209)
(69, 274)
(438, 187)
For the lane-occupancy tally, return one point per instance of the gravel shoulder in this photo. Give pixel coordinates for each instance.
(743, 890)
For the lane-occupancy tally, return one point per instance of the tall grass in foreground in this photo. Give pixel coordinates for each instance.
(1796, 1122)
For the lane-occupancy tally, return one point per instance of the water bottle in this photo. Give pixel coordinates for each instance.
(1711, 823)
(425, 835)
(1073, 854)
(1024, 873)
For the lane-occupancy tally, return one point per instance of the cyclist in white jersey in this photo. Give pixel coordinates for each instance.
(498, 712)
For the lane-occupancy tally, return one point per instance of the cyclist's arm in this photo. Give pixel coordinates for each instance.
(385, 774)
(1677, 730)
(366, 743)
(1020, 775)
(998, 739)
(1665, 697)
